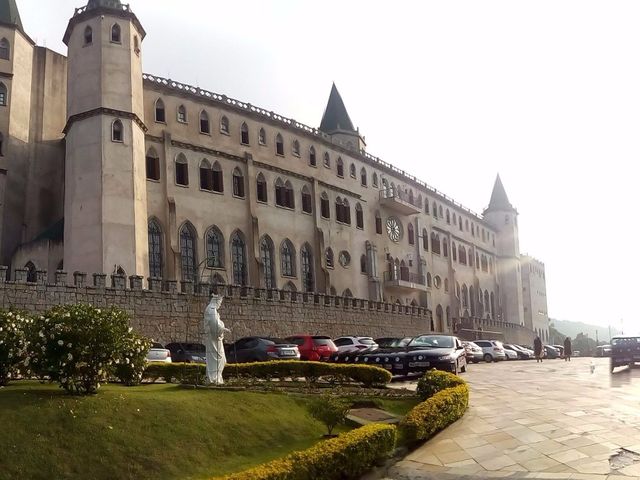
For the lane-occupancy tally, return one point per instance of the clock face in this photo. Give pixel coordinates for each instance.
(393, 229)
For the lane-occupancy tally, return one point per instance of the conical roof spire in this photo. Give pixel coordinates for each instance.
(9, 13)
(335, 115)
(499, 199)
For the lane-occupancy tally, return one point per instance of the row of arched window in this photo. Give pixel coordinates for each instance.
(115, 36)
(475, 301)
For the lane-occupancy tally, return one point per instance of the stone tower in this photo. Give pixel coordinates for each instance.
(337, 124)
(105, 188)
(504, 218)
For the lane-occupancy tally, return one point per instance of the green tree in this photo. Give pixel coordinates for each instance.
(330, 410)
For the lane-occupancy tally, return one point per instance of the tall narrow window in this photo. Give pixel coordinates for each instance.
(3, 95)
(188, 252)
(328, 256)
(454, 251)
(448, 217)
(214, 243)
(363, 177)
(295, 148)
(363, 264)
(1, 145)
(280, 193)
(244, 134)
(289, 199)
(224, 125)
(261, 188)
(117, 131)
(239, 259)
(462, 255)
(325, 210)
(182, 170)
(5, 49)
(435, 210)
(205, 127)
(279, 145)
(374, 180)
(88, 35)
(32, 276)
(411, 236)
(359, 216)
(266, 256)
(306, 257)
(155, 249)
(340, 167)
(136, 44)
(238, 183)
(425, 240)
(116, 35)
(218, 182)
(460, 223)
(346, 212)
(435, 243)
(440, 212)
(445, 247)
(288, 259)
(206, 175)
(262, 137)
(160, 112)
(352, 170)
(327, 160)
(312, 156)
(182, 114)
(153, 165)
(378, 223)
(426, 206)
(307, 205)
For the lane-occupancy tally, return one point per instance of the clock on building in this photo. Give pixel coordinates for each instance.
(394, 229)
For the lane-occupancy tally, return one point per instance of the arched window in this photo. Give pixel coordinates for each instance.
(216, 279)
(239, 259)
(206, 175)
(182, 114)
(440, 211)
(477, 260)
(425, 240)
(445, 247)
(160, 111)
(493, 310)
(363, 264)
(327, 160)
(429, 280)
(262, 137)
(363, 177)
(244, 134)
(307, 204)
(116, 34)
(155, 249)
(279, 145)
(182, 170)
(460, 223)
(188, 253)
(289, 287)
(343, 211)
(448, 216)
(472, 301)
(435, 210)
(378, 223)
(88, 35)
(218, 183)
(205, 127)
(411, 236)
(454, 251)
(288, 259)
(224, 125)
(214, 244)
(306, 256)
(466, 225)
(340, 167)
(3, 95)
(284, 194)
(136, 44)
(1, 144)
(446, 285)
(312, 156)
(328, 255)
(325, 210)
(359, 216)
(435, 243)
(453, 219)
(266, 257)
(465, 296)
(410, 196)
(491, 265)
(261, 188)
(153, 165)
(470, 257)
(295, 148)
(238, 183)
(374, 179)
(31, 272)
(5, 49)
(462, 255)
(289, 197)
(117, 131)
(352, 170)
(347, 294)
(426, 206)
(473, 230)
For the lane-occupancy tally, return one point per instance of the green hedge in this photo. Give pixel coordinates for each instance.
(348, 456)
(366, 375)
(439, 410)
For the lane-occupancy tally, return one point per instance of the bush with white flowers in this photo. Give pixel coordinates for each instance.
(79, 346)
(130, 366)
(13, 345)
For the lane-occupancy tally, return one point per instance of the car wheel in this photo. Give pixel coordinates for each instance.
(488, 358)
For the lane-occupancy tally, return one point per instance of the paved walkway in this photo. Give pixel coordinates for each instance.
(553, 420)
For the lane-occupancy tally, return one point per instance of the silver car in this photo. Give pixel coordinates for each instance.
(157, 353)
(492, 350)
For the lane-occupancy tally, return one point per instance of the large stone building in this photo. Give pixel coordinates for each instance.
(107, 169)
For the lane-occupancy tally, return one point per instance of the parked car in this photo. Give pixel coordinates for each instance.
(387, 342)
(576, 353)
(261, 349)
(349, 344)
(551, 352)
(157, 353)
(492, 350)
(560, 349)
(314, 348)
(510, 354)
(473, 352)
(187, 352)
(602, 351)
(520, 352)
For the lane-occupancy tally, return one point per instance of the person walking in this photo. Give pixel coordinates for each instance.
(537, 349)
(567, 349)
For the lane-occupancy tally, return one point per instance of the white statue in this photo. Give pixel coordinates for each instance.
(214, 330)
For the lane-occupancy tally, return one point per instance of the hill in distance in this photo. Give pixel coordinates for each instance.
(572, 329)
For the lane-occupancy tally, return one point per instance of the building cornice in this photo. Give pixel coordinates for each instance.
(104, 111)
(208, 151)
(283, 171)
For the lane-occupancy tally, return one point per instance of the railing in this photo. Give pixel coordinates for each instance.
(398, 194)
(79, 10)
(300, 126)
(404, 275)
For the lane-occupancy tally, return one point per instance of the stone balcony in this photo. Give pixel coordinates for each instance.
(399, 202)
(402, 279)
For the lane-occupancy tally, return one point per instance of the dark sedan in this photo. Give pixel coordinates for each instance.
(261, 349)
(393, 342)
(187, 352)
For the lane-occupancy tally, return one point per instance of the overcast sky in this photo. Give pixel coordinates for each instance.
(545, 92)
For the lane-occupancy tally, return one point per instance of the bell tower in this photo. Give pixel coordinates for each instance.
(503, 217)
(105, 202)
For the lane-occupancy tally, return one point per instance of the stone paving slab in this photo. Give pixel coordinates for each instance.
(550, 420)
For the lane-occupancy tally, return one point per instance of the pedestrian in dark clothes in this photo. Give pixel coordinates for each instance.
(567, 349)
(537, 349)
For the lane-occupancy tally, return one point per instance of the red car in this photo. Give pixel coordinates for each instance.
(315, 348)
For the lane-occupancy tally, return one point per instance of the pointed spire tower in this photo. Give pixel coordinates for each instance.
(9, 14)
(503, 217)
(338, 125)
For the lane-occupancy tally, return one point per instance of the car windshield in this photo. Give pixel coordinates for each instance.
(322, 341)
(624, 341)
(401, 342)
(156, 345)
(432, 341)
(277, 341)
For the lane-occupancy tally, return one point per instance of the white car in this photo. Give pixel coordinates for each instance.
(157, 353)
(511, 355)
(492, 350)
(351, 344)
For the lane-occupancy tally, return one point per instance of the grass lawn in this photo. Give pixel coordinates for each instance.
(149, 432)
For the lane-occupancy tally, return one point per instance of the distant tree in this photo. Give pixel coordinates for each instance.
(585, 345)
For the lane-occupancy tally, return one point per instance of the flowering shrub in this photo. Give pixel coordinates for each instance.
(79, 346)
(132, 361)
(13, 345)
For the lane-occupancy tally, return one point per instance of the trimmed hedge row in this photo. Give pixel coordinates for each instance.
(439, 410)
(312, 372)
(348, 456)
